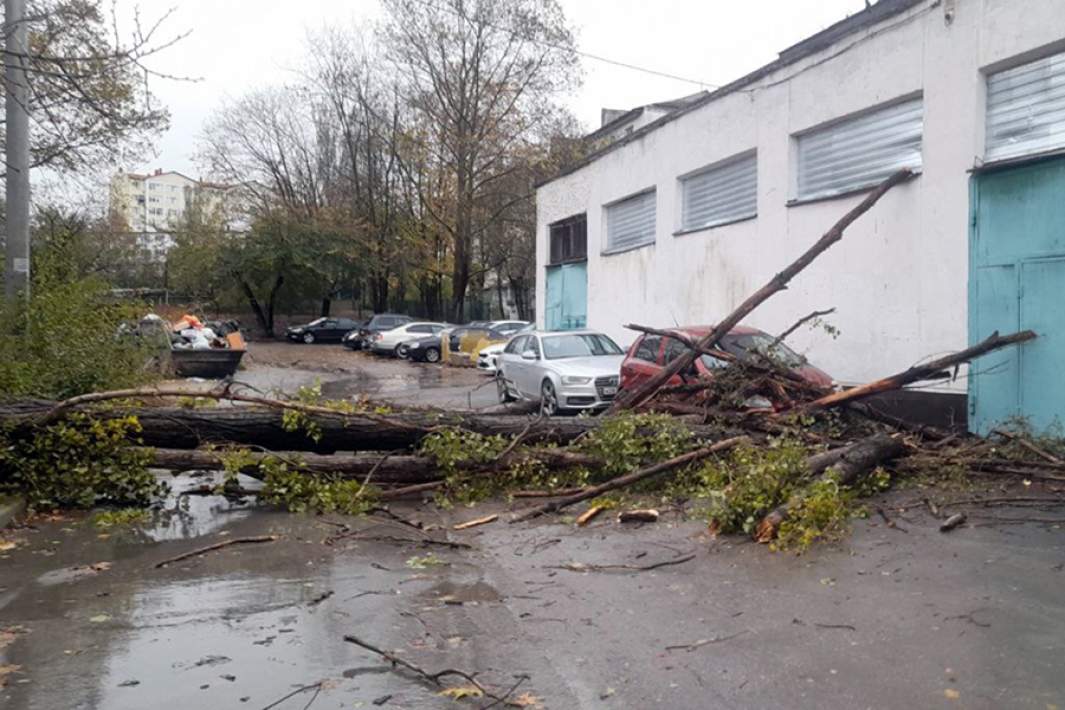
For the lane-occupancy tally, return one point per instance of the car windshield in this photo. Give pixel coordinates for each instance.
(557, 347)
(747, 346)
(316, 322)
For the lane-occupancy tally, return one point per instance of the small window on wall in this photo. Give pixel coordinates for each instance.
(569, 240)
(630, 223)
(860, 152)
(724, 193)
(1026, 109)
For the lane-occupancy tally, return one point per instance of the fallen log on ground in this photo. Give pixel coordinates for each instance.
(848, 464)
(776, 284)
(630, 478)
(930, 370)
(388, 469)
(175, 427)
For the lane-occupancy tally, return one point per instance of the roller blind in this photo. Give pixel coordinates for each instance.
(631, 222)
(720, 194)
(861, 151)
(1026, 109)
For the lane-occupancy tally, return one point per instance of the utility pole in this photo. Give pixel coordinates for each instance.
(16, 97)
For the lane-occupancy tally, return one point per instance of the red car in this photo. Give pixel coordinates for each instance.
(650, 353)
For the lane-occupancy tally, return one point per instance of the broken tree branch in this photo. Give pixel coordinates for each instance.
(630, 478)
(927, 371)
(217, 546)
(582, 567)
(776, 284)
(846, 464)
(798, 324)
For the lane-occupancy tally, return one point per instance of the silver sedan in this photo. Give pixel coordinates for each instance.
(569, 371)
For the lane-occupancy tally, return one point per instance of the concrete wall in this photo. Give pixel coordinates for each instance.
(899, 277)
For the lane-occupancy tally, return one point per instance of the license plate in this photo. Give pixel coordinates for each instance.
(610, 390)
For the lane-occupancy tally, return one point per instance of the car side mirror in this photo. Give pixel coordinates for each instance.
(529, 355)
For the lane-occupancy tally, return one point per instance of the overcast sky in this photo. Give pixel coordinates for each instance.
(239, 45)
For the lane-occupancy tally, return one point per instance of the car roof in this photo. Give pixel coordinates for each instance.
(583, 331)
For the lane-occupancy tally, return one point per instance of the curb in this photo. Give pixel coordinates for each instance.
(11, 507)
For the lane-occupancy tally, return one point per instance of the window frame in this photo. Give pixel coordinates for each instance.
(858, 186)
(609, 250)
(715, 167)
(565, 230)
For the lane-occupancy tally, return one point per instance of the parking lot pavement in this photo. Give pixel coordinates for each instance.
(342, 373)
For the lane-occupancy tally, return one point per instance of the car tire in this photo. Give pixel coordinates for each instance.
(502, 391)
(401, 352)
(432, 355)
(548, 399)
(308, 338)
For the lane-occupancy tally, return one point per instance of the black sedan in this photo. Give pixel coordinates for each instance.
(323, 330)
(425, 349)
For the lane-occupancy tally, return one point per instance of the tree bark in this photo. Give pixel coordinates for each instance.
(917, 373)
(388, 469)
(776, 284)
(848, 463)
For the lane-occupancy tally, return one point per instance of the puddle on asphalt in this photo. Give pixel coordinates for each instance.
(189, 516)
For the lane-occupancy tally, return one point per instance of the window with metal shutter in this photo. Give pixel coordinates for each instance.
(631, 222)
(1026, 109)
(860, 152)
(724, 193)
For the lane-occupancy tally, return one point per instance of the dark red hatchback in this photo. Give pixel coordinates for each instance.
(650, 353)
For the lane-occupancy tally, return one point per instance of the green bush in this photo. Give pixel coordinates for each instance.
(64, 340)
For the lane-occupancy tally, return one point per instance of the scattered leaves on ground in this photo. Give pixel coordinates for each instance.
(99, 618)
(425, 561)
(9, 634)
(5, 671)
(951, 694)
(459, 692)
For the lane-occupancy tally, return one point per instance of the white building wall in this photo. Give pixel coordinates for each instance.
(899, 277)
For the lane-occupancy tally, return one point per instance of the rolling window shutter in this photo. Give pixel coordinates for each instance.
(631, 222)
(722, 194)
(1026, 109)
(860, 152)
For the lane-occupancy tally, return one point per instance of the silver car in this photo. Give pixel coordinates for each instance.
(570, 371)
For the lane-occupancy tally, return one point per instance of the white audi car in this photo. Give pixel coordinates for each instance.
(388, 342)
(565, 371)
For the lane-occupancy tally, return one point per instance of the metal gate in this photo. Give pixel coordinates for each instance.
(1017, 282)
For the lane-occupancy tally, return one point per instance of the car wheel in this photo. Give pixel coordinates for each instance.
(308, 338)
(548, 399)
(401, 351)
(501, 389)
(432, 355)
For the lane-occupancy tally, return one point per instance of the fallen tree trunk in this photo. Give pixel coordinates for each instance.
(848, 464)
(630, 478)
(927, 371)
(172, 427)
(388, 469)
(776, 284)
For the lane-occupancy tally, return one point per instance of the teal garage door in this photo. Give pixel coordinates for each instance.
(1017, 282)
(566, 306)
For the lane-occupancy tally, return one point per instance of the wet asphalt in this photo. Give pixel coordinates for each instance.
(889, 618)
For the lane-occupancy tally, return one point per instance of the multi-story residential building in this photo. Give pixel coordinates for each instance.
(681, 219)
(155, 205)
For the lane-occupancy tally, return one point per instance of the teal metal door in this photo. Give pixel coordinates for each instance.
(566, 306)
(1017, 282)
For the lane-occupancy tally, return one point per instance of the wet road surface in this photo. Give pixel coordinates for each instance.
(889, 619)
(285, 367)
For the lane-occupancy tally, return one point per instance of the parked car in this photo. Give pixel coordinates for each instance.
(425, 349)
(388, 342)
(486, 353)
(359, 337)
(570, 371)
(322, 330)
(650, 353)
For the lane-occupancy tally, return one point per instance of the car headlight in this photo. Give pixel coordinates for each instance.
(575, 380)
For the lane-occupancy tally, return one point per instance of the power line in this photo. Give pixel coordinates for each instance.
(563, 48)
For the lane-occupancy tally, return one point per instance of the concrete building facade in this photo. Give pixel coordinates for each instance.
(958, 90)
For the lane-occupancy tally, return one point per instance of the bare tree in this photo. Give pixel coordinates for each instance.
(87, 82)
(481, 75)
